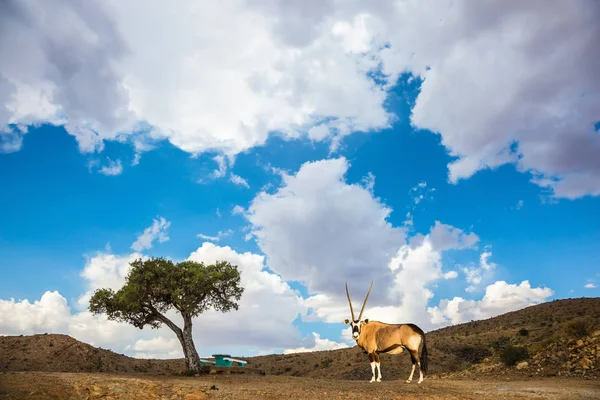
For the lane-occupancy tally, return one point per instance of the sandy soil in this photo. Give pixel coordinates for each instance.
(49, 385)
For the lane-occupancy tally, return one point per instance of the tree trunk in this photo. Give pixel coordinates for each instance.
(189, 349)
(192, 360)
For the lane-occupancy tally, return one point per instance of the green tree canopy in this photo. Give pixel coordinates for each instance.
(157, 285)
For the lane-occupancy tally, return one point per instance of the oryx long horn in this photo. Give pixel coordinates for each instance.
(365, 303)
(350, 301)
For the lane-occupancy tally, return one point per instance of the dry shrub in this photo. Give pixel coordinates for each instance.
(511, 355)
(578, 328)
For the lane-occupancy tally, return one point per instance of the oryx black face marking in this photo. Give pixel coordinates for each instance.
(377, 337)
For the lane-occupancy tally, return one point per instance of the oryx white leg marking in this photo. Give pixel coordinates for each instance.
(420, 374)
(373, 365)
(411, 374)
(379, 372)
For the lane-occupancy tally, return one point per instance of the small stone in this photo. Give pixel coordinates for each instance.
(522, 365)
(579, 343)
(585, 363)
(195, 396)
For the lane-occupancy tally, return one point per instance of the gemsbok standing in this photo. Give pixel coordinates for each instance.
(376, 337)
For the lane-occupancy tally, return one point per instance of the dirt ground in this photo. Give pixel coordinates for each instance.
(90, 386)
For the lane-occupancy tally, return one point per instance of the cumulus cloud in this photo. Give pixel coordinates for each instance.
(238, 180)
(590, 285)
(321, 230)
(61, 67)
(500, 297)
(415, 270)
(225, 91)
(219, 236)
(524, 75)
(98, 330)
(262, 289)
(451, 275)
(474, 275)
(515, 87)
(112, 168)
(319, 345)
(446, 237)
(105, 270)
(157, 347)
(157, 231)
(50, 313)
(259, 330)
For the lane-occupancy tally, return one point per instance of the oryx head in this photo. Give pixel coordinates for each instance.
(356, 324)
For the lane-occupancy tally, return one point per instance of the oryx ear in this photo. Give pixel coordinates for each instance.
(366, 321)
(346, 321)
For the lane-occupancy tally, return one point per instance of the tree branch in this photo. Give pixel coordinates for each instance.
(166, 321)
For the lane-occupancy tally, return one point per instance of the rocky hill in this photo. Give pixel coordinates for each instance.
(62, 353)
(558, 338)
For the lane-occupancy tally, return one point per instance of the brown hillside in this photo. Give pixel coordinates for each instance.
(62, 353)
(561, 338)
(548, 331)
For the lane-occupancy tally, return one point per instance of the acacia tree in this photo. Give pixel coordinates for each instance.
(154, 286)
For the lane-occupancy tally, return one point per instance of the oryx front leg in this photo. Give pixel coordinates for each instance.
(373, 366)
(378, 364)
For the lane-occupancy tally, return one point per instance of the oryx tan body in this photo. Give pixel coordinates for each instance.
(376, 337)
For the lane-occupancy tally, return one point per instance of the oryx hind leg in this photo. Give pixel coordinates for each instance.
(414, 357)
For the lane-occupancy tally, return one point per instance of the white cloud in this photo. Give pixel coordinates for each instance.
(231, 72)
(420, 193)
(238, 180)
(238, 210)
(50, 313)
(212, 329)
(221, 167)
(250, 325)
(105, 270)
(484, 263)
(224, 91)
(61, 67)
(11, 140)
(514, 85)
(346, 336)
(475, 275)
(415, 270)
(519, 204)
(98, 330)
(451, 275)
(500, 297)
(320, 230)
(590, 286)
(157, 231)
(112, 168)
(157, 347)
(445, 237)
(220, 235)
(319, 345)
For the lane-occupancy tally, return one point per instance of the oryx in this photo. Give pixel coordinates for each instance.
(376, 337)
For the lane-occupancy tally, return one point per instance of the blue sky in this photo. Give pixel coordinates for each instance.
(312, 202)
